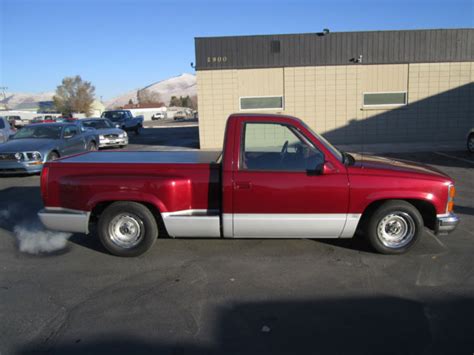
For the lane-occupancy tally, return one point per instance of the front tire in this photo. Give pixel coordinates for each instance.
(394, 227)
(470, 143)
(91, 147)
(127, 229)
(52, 156)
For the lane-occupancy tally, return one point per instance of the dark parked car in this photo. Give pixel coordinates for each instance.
(470, 141)
(33, 145)
(124, 119)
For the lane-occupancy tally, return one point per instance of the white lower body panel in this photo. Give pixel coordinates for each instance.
(293, 225)
(207, 224)
(192, 223)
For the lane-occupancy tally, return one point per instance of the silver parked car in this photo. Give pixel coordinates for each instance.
(33, 145)
(109, 135)
(5, 130)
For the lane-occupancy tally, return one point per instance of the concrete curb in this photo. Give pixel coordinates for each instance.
(174, 126)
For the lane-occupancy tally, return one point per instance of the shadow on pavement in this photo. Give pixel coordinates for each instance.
(344, 325)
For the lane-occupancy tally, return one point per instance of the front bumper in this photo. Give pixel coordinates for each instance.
(446, 223)
(113, 142)
(16, 167)
(65, 220)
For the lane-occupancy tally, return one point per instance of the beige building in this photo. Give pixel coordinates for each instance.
(355, 88)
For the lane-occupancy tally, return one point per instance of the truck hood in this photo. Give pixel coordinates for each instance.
(372, 162)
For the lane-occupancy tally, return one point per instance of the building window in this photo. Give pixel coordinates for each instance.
(275, 46)
(261, 103)
(385, 99)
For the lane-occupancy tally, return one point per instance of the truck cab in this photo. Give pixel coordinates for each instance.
(275, 178)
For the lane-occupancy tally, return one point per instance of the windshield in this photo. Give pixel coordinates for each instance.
(41, 131)
(114, 116)
(326, 143)
(98, 124)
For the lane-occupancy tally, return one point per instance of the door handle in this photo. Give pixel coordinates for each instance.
(243, 185)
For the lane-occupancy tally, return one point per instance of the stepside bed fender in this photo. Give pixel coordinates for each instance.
(166, 193)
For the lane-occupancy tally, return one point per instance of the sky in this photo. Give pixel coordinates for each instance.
(121, 45)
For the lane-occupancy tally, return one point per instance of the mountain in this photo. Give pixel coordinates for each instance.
(182, 85)
(18, 100)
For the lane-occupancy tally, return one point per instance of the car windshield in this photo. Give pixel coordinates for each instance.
(2, 124)
(41, 131)
(98, 124)
(114, 115)
(336, 152)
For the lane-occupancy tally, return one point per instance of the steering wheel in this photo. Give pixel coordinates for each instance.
(284, 151)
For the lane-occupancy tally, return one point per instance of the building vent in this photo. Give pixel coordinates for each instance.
(275, 46)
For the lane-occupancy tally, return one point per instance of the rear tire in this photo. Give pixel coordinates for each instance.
(127, 229)
(137, 130)
(394, 227)
(470, 143)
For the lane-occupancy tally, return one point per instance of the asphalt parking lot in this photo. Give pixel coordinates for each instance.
(190, 296)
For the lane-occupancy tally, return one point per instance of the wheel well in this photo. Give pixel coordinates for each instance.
(101, 206)
(426, 209)
(54, 151)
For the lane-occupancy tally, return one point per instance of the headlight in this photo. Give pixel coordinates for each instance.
(123, 135)
(101, 136)
(33, 156)
(19, 156)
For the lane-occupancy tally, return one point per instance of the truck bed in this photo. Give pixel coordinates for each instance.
(140, 157)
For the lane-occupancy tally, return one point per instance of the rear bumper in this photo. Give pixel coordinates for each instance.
(113, 142)
(446, 223)
(65, 220)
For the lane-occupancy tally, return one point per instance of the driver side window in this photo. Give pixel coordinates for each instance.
(69, 132)
(277, 147)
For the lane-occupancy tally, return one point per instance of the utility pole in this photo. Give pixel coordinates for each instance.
(4, 90)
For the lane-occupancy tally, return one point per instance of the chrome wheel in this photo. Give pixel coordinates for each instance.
(125, 230)
(396, 230)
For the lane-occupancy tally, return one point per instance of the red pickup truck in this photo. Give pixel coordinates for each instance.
(275, 178)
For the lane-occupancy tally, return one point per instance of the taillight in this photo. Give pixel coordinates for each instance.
(451, 195)
(44, 183)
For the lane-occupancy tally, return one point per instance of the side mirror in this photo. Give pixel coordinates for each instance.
(328, 168)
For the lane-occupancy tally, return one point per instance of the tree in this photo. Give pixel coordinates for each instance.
(74, 95)
(175, 101)
(194, 102)
(148, 97)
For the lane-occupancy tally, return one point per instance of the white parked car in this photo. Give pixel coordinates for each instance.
(470, 141)
(5, 130)
(158, 116)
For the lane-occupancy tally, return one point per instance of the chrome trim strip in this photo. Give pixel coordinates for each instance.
(319, 225)
(65, 220)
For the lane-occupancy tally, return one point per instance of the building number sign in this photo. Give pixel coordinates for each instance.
(216, 59)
